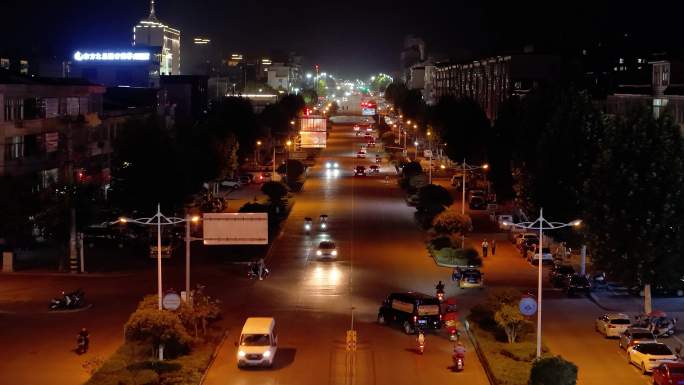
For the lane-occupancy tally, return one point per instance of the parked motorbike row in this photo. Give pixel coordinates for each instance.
(73, 300)
(658, 323)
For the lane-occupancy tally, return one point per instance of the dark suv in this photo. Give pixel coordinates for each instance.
(559, 274)
(411, 310)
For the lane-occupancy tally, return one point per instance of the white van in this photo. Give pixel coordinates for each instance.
(258, 342)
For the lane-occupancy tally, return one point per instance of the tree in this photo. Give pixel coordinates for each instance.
(451, 221)
(411, 168)
(434, 195)
(158, 327)
(294, 170)
(388, 138)
(310, 96)
(275, 191)
(201, 313)
(634, 202)
(18, 203)
(464, 126)
(509, 319)
(147, 168)
(553, 371)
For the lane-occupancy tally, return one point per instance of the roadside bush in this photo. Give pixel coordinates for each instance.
(275, 191)
(553, 371)
(411, 169)
(451, 221)
(434, 195)
(509, 319)
(440, 242)
(254, 207)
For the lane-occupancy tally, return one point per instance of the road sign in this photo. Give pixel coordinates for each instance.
(528, 306)
(171, 301)
(235, 228)
(351, 340)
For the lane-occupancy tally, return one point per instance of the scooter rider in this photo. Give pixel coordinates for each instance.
(421, 340)
(83, 339)
(261, 266)
(440, 287)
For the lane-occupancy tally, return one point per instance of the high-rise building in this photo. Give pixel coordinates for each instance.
(151, 32)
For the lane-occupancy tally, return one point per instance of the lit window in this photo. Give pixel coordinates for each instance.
(621, 61)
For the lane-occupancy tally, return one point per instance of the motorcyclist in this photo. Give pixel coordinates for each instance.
(459, 349)
(440, 287)
(84, 338)
(67, 299)
(420, 339)
(261, 265)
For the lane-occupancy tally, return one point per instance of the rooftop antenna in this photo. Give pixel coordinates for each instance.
(152, 15)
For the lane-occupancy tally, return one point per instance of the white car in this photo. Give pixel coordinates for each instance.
(231, 184)
(613, 324)
(547, 256)
(327, 249)
(648, 356)
(519, 238)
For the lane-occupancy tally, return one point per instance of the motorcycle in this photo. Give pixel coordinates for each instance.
(307, 225)
(421, 343)
(81, 344)
(323, 222)
(71, 300)
(663, 327)
(253, 272)
(453, 335)
(459, 360)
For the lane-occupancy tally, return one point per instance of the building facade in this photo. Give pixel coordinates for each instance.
(48, 123)
(490, 81)
(153, 33)
(664, 93)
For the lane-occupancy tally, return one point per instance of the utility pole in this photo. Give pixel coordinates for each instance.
(73, 251)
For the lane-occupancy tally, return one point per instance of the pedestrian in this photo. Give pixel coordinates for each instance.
(456, 274)
(485, 246)
(261, 265)
(493, 245)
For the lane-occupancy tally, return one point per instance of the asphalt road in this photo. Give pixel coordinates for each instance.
(380, 251)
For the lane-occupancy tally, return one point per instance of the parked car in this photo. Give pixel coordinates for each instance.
(559, 273)
(374, 169)
(547, 256)
(577, 283)
(327, 249)
(264, 177)
(612, 324)
(520, 237)
(412, 310)
(360, 171)
(471, 278)
(232, 184)
(634, 336)
(669, 373)
(648, 356)
(477, 203)
(503, 220)
(246, 179)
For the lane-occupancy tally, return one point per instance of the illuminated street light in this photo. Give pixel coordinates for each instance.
(541, 224)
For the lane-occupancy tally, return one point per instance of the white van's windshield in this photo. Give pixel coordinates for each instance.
(255, 340)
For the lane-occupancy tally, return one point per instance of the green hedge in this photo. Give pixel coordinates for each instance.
(132, 364)
(452, 257)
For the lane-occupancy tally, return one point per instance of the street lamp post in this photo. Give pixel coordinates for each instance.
(415, 143)
(256, 153)
(541, 224)
(160, 220)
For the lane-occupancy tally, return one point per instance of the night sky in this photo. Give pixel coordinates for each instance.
(345, 37)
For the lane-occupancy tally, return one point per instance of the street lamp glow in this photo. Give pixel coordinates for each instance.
(292, 122)
(123, 220)
(485, 166)
(415, 143)
(408, 122)
(289, 143)
(258, 143)
(576, 223)
(195, 219)
(308, 75)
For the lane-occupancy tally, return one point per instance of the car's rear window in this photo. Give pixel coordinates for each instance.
(620, 321)
(655, 349)
(425, 309)
(642, 336)
(472, 273)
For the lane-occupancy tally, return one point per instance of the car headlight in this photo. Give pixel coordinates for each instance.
(337, 165)
(241, 353)
(318, 252)
(334, 252)
(328, 165)
(324, 225)
(267, 354)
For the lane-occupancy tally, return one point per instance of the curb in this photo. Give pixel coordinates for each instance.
(213, 357)
(70, 275)
(480, 355)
